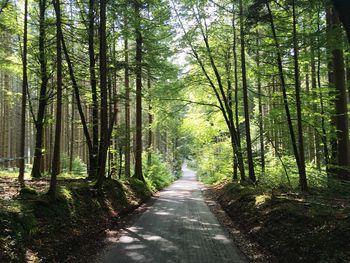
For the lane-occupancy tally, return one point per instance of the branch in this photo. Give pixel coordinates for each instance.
(192, 102)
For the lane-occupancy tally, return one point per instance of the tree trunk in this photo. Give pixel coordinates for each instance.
(57, 144)
(323, 121)
(24, 97)
(150, 120)
(236, 120)
(331, 82)
(341, 111)
(127, 106)
(245, 99)
(261, 123)
(39, 122)
(72, 135)
(93, 168)
(103, 148)
(138, 149)
(302, 172)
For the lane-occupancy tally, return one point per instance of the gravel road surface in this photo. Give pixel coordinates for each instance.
(178, 227)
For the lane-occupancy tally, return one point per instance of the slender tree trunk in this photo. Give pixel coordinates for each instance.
(314, 151)
(72, 136)
(302, 172)
(24, 97)
(39, 122)
(261, 123)
(150, 120)
(323, 121)
(103, 148)
(93, 155)
(230, 102)
(138, 149)
(127, 106)
(245, 99)
(347, 62)
(56, 163)
(235, 65)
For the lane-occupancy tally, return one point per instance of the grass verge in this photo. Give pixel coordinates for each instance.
(35, 229)
(291, 226)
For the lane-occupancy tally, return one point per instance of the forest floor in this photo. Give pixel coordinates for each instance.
(286, 226)
(35, 229)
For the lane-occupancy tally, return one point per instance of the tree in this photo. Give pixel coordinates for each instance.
(261, 122)
(245, 98)
(93, 169)
(341, 111)
(285, 101)
(150, 119)
(301, 164)
(56, 162)
(39, 121)
(24, 95)
(138, 71)
(104, 140)
(127, 101)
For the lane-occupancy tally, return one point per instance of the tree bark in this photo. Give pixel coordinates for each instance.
(24, 97)
(341, 111)
(236, 120)
(150, 120)
(138, 57)
(331, 82)
(72, 135)
(245, 99)
(127, 105)
(103, 148)
(93, 160)
(302, 172)
(39, 122)
(260, 106)
(56, 163)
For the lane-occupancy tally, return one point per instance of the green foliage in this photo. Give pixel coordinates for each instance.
(215, 162)
(78, 166)
(158, 175)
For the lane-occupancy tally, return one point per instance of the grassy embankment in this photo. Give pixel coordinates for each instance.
(35, 228)
(292, 226)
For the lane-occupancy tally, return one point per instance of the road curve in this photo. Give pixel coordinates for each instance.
(178, 227)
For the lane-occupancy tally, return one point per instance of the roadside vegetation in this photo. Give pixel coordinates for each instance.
(71, 228)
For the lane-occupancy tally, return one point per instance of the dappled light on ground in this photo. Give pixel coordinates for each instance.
(179, 227)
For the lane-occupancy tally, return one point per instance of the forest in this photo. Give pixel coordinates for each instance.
(103, 104)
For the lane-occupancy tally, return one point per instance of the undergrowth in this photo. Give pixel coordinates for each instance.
(32, 225)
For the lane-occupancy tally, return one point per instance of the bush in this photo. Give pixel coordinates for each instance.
(78, 166)
(215, 163)
(158, 175)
